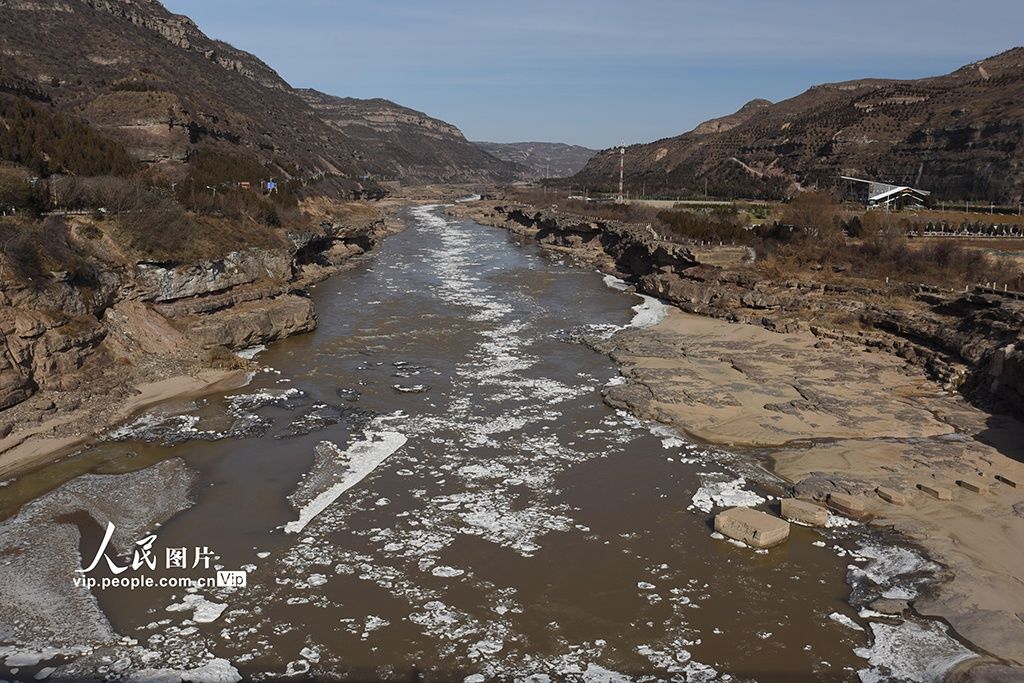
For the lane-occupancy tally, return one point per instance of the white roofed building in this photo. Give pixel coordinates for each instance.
(889, 196)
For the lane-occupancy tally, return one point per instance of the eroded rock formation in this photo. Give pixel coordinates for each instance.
(61, 334)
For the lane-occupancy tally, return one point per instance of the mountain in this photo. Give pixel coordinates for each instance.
(405, 143)
(960, 135)
(154, 82)
(541, 159)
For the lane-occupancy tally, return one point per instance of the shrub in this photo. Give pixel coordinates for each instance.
(49, 142)
(32, 252)
(16, 191)
(721, 224)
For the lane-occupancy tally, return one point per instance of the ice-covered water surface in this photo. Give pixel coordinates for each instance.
(440, 486)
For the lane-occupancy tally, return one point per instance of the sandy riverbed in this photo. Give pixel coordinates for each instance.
(29, 448)
(838, 417)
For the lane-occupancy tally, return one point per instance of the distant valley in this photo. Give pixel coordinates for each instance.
(541, 159)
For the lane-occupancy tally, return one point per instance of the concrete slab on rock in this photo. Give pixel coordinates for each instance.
(973, 485)
(755, 528)
(852, 506)
(1006, 480)
(804, 512)
(936, 491)
(891, 495)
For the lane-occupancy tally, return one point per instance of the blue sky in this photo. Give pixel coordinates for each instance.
(595, 72)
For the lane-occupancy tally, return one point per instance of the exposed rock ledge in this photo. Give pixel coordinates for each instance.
(76, 350)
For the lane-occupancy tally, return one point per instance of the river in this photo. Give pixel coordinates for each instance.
(475, 510)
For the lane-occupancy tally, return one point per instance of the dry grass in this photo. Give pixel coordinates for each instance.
(958, 217)
(31, 252)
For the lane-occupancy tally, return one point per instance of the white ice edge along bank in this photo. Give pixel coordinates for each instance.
(649, 312)
(363, 457)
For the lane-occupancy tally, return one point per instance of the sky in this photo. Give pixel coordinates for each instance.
(600, 73)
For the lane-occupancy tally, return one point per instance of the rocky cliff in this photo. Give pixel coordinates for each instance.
(404, 144)
(973, 342)
(959, 135)
(69, 337)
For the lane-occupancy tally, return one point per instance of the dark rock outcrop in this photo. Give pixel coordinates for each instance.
(623, 248)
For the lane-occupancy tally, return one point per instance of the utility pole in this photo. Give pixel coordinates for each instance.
(622, 171)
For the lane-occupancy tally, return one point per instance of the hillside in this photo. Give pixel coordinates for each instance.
(959, 135)
(399, 142)
(152, 81)
(541, 159)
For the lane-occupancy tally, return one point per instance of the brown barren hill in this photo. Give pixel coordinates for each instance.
(541, 159)
(153, 81)
(408, 144)
(960, 135)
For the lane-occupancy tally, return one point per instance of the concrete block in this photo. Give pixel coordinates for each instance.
(852, 506)
(936, 491)
(804, 512)
(973, 485)
(891, 495)
(755, 528)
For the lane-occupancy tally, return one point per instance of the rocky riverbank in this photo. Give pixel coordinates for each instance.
(969, 341)
(79, 356)
(841, 388)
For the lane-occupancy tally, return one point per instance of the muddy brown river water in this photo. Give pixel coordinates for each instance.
(431, 483)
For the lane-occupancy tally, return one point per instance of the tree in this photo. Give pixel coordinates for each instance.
(16, 191)
(815, 213)
(49, 142)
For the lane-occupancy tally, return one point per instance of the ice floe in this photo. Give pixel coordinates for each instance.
(648, 313)
(251, 352)
(723, 493)
(846, 621)
(917, 652)
(358, 461)
(203, 611)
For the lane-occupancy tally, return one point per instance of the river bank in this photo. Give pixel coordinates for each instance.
(831, 411)
(80, 362)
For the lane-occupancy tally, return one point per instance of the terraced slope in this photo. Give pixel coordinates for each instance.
(960, 135)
